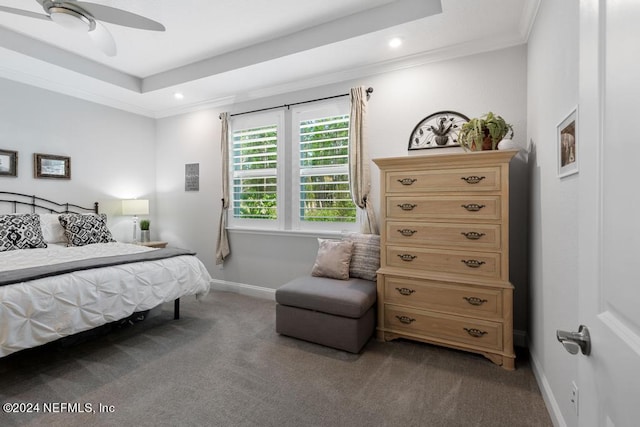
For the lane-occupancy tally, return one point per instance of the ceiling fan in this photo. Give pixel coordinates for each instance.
(82, 16)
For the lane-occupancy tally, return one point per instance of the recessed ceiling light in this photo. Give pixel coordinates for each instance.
(395, 42)
(178, 95)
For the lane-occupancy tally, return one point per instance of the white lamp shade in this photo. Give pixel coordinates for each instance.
(135, 207)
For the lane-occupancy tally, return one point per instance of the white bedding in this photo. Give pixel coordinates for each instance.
(39, 311)
(59, 253)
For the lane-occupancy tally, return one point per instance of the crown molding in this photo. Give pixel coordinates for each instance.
(21, 76)
(53, 55)
(196, 106)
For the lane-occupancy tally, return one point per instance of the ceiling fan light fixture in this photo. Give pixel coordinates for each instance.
(85, 17)
(71, 20)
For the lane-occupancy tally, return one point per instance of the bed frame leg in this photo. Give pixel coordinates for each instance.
(176, 309)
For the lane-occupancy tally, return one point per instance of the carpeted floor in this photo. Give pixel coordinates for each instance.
(222, 364)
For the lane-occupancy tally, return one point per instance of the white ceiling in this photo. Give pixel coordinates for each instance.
(220, 51)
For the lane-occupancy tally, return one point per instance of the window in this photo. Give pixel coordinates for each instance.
(255, 193)
(321, 169)
(297, 180)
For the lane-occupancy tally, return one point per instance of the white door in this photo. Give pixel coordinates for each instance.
(609, 215)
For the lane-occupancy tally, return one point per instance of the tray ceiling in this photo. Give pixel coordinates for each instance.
(222, 51)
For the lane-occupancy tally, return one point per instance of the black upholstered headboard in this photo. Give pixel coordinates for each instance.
(12, 201)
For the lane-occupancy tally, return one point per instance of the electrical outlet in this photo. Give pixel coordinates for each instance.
(574, 396)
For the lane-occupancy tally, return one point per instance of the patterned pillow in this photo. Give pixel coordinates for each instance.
(365, 260)
(85, 229)
(20, 231)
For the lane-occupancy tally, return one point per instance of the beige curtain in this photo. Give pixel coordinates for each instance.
(222, 248)
(359, 175)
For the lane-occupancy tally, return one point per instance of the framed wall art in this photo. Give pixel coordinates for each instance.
(192, 177)
(568, 144)
(437, 130)
(51, 166)
(8, 163)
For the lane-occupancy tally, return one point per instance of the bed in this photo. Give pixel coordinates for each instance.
(62, 273)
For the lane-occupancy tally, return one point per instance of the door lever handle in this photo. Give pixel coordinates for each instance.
(576, 341)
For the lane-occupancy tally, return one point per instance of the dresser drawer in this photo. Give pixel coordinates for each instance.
(469, 263)
(462, 207)
(444, 180)
(470, 236)
(468, 300)
(472, 332)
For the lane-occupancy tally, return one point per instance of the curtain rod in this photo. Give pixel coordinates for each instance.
(369, 92)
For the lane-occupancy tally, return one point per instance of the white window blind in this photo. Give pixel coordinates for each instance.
(293, 178)
(323, 199)
(255, 177)
(324, 170)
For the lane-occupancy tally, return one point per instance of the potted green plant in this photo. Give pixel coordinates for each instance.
(484, 133)
(144, 230)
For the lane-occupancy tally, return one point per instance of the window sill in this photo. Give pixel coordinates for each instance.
(289, 233)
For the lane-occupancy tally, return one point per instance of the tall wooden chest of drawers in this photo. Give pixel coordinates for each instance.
(444, 259)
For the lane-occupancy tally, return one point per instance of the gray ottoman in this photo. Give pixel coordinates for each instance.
(331, 312)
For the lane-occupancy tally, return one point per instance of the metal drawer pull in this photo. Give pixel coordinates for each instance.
(407, 206)
(477, 333)
(406, 319)
(473, 179)
(407, 257)
(407, 181)
(406, 232)
(474, 300)
(473, 263)
(472, 235)
(473, 207)
(405, 291)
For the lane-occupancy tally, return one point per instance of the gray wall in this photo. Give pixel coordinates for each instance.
(552, 94)
(112, 152)
(473, 85)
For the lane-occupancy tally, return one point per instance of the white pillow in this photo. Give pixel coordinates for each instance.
(333, 259)
(52, 230)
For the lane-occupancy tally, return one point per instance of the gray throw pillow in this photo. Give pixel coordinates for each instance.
(365, 259)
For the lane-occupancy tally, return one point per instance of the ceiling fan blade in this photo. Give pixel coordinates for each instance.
(102, 38)
(24, 13)
(120, 17)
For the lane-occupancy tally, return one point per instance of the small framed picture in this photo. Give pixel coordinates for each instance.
(192, 177)
(568, 145)
(51, 166)
(8, 163)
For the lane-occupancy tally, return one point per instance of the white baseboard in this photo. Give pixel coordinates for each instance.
(547, 394)
(244, 289)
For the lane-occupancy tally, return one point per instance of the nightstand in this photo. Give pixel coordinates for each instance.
(154, 244)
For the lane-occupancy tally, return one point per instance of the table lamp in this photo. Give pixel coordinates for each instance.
(135, 207)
